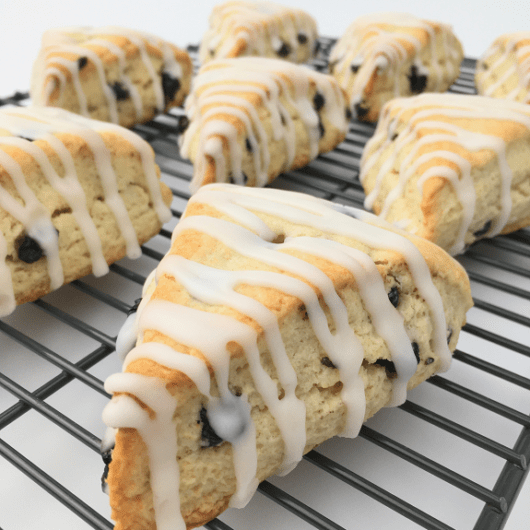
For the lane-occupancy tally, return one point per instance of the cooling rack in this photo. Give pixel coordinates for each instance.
(454, 456)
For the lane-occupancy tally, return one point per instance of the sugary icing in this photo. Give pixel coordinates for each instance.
(259, 25)
(40, 123)
(383, 42)
(443, 115)
(489, 79)
(77, 41)
(219, 97)
(248, 235)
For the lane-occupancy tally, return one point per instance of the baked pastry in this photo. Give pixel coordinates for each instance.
(239, 28)
(258, 337)
(111, 74)
(252, 118)
(504, 69)
(387, 55)
(75, 195)
(450, 168)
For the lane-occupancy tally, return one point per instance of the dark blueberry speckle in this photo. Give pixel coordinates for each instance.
(355, 67)
(29, 250)
(170, 86)
(449, 335)
(183, 124)
(393, 296)
(416, 350)
(321, 128)
(484, 230)
(232, 180)
(82, 62)
(418, 83)
(360, 110)
(326, 361)
(248, 145)
(394, 136)
(120, 91)
(318, 101)
(430, 360)
(285, 50)
(389, 366)
(302, 38)
(134, 307)
(208, 435)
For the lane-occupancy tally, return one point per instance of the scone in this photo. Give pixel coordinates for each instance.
(75, 195)
(388, 55)
(252, 118)
(450, 168)
(111, 74)
(504, 69)
(265, 29)
(274, 322)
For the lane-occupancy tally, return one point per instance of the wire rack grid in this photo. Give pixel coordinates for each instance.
(454, 456)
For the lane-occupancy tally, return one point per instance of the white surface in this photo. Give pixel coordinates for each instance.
(22, 22)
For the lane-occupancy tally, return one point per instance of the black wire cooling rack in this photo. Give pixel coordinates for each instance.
(454, 456)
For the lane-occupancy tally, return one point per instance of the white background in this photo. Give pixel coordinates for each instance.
(22, 22)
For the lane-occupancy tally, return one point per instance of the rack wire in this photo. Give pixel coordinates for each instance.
(45, 380)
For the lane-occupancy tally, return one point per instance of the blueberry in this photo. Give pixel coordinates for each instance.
(321, 128)
(208, 435)
(170, 86)
(326, 361)
(302, 38)
(285, 50)
(360, 110)
(29, 251)
(393, 296)
(26, 138)
(417, 82)
(248, 145)
(484, 230)
(355, 67)
(416, 350)
(394, 136)
(430, 360)
(303, 312)
(120, 91)
(134, 307)
(389, 366)
(318, 101)
(183, 124)
(82, 62)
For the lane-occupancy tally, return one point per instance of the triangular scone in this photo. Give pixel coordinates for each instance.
(450, 168)
(274, 322)
(388, 55)
(263, 29)
(75, 195)
(504, 69)
(251, 119)
(112, 74)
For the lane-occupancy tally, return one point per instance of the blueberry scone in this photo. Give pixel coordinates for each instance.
(252, 118)
(450, 168)
(264, 29)
(75, 195)
(111, 74)
(388, 55)
(276, 321)
(504, 69)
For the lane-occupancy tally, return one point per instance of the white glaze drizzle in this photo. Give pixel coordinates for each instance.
(427, 107)
(518, 67)
(257, 23)
(384, 50)
(252, 237)
(74, 40)
(220, 88)
(42, 123)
